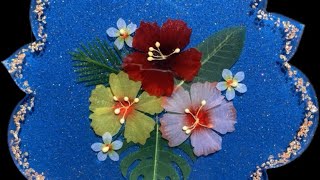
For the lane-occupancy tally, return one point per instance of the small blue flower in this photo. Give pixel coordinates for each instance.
(232, 83)
(107, 148)
(123, 33)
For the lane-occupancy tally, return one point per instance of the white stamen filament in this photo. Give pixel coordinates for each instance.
(157, 55)
(117, 111)
(189, 129)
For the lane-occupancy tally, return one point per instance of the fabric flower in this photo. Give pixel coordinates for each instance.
(123, 33)
(160, 57)
(199, 117)
(119, 105)
(107, 148)
(232, 83)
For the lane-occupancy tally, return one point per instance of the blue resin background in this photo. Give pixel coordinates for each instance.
(58, 136)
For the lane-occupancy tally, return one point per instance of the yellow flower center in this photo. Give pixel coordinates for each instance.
(106, 148)
(157, 55)
(124, 33)
(232, 83)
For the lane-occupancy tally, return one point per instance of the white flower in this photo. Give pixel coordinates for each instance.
(107, 148)
(123, 33)
(232, 83)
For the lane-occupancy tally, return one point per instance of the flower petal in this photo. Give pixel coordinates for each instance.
(157, 82)
(149, 104)
(114, 156)
(171, 129)
(102, 156)
(107, 138)
(174, 34)
(113, 32)
(146, 36)
(226, 74)
(129, 40)
(134, 64)
(122, 86)
(96, 147)
(101, 97)
(222, 86)
(178, 101)
(138, 127)
(205, 142)
(239, 76)
(121, 24)
(223, 117)
(230, 94)
(132, 28)
(116, 145)
(241, 88)
(119, 42)
(205, 91)
(104, 120)
(186, 65)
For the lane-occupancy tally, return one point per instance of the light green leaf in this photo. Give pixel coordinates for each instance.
(138, 127)
(104, 120)
(220, 51)
(101, 97)
(156, 161)
(122, 86)
(149, 104)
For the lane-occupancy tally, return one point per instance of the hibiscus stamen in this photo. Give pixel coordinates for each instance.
(126, 107)
(189, 129)
(157, 55)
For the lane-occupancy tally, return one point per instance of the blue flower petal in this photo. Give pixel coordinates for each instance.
(222, 86)
(114, 156)
(239, 76)
(102, 156)
(96, 147)
(107, 138)
(230, 94)
(226, 74)
(241, 88)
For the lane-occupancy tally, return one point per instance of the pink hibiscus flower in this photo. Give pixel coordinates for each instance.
(200, 117)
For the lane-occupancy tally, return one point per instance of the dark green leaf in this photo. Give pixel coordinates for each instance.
(220, 51)
(156, 161)
(94, 62)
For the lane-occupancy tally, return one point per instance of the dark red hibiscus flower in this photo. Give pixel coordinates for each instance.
(160, 57)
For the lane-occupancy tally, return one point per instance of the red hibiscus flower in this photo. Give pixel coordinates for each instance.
(160, 57)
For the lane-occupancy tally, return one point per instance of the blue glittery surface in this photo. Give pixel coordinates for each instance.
(57, 134)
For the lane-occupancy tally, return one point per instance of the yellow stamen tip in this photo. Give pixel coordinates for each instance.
(117, 111)
(151, 49)
(203, 102)
(157, 44)
(105, 149)
(150, 53)
(177, 50)
(115, 98)
(187, 110)
(185, 128)
(188, 131)
(126, 99)
(136, 100)
(122, 120)
(122, 31)
(150, 59)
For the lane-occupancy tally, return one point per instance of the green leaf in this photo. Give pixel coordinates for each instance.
(220, 51)
(94, 62)
(155, 161)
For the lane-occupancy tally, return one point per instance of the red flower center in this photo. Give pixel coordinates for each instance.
(197, 119)
(124, 107)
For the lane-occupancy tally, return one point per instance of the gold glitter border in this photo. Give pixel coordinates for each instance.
(15, 69)
(300, 86)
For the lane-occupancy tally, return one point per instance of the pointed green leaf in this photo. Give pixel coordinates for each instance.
(220, 51)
